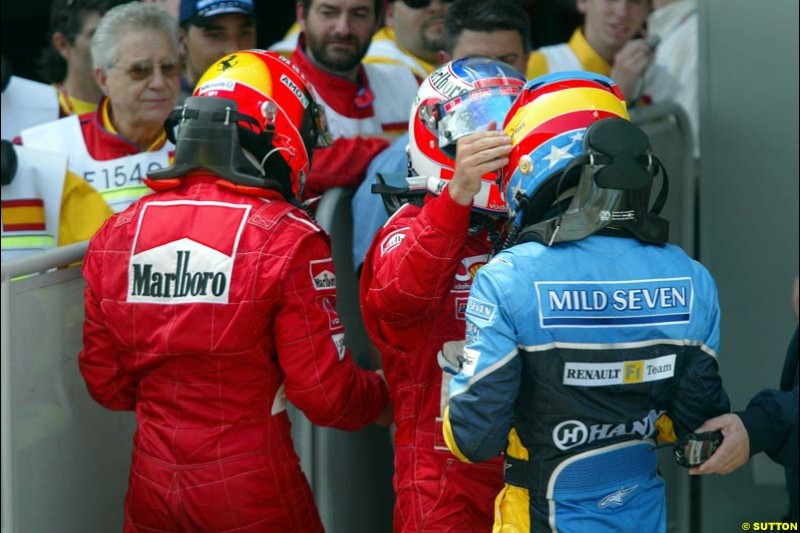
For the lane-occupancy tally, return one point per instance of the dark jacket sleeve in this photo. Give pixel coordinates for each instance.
(772, 415)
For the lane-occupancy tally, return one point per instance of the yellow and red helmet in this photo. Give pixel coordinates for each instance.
(288, 123)
(547, 124)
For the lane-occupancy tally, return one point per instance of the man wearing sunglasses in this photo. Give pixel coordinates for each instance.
(364, 103)
(413, 35)
(137, 67)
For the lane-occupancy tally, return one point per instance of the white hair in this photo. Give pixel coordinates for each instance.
(126, 18)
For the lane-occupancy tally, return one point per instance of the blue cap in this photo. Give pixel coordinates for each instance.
(196, 10)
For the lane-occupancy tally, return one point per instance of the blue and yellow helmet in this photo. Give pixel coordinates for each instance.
(547, 124)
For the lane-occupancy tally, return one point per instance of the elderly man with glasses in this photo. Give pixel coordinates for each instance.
(137, 67)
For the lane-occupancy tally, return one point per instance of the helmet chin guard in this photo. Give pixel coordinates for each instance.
(613, 190)
(206, 132)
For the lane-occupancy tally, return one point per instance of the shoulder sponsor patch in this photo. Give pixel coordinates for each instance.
(466, 271)
(481, 310)
(322, 276)
(338, 341)
(619, 373)
(328, 304)
(460, 303)
(599, 304)
(177, 262)
(393, 240)
(469, 361)
(473, 333)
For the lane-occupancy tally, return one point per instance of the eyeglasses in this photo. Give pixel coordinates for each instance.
(419, 4)
(142, 70)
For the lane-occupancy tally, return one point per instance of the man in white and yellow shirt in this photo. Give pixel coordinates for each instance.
(608, 43)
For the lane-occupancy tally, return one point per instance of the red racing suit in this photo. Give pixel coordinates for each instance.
(414, 288)
(206, 310)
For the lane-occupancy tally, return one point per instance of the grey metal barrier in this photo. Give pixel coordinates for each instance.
(350, 472)
(670, 133)
(65, 459)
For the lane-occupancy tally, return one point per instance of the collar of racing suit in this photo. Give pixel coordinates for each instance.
(203, 176)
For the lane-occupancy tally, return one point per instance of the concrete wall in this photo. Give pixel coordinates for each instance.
(749, 217)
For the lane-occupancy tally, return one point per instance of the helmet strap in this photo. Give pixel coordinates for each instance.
(210, 133)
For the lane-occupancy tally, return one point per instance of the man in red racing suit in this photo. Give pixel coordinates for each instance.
(209, 304)
(416, 281)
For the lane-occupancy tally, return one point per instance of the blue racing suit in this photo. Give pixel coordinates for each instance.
(573, 353)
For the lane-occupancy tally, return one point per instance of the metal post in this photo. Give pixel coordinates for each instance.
(5, 396)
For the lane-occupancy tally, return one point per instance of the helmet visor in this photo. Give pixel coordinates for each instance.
(472, 112)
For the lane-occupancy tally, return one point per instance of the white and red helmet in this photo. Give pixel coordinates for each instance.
(456, 99)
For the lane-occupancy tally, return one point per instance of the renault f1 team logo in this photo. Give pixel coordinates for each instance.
(174, 263)
(620, 373)
(572, 433)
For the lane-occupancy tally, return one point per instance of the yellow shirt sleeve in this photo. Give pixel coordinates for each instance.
(537, 65)
(83, 211)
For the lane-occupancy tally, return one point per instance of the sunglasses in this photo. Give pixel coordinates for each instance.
(419, 4)
(142, 70)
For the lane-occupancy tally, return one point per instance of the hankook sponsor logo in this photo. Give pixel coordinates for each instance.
(571, 433)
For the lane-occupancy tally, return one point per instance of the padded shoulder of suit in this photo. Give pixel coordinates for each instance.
(272, 214)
